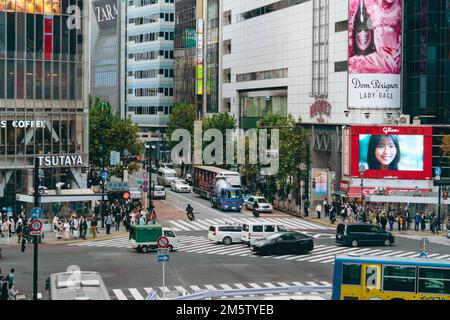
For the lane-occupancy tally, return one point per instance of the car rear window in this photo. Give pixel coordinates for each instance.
(245, 227)
(340, 229)
(257, 228)
(281, 228)
(270, 228)
(212, 228)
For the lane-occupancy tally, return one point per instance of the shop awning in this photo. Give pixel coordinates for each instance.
(355, 192)
(340, 193)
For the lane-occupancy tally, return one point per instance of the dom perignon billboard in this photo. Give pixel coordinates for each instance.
(375, 53)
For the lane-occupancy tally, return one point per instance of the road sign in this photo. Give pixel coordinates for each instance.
(438, 171)
(36, 213)
(145, 189)
(163, 251)
(105, 175)
(163, 257)
(145, 175)
(163, 242)
(145, 183)
(114, 158)
(36, 225)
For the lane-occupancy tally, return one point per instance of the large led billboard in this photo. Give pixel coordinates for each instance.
(375, 49)
(52, 7)
(400, 152)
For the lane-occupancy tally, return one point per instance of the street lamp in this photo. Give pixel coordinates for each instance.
(149, 170)
(362, 169)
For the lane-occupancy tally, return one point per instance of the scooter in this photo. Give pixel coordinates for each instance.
(256, 213)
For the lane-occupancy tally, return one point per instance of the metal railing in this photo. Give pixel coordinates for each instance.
(211, 294)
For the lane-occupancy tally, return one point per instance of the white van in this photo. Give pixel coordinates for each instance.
(258, 230)
(166, 176)
(225, 233)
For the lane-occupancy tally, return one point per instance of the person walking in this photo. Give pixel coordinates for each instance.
(117, 219)
(153, 217)
(55, 222)
(11, 292)
(326, 207)
(108, 223)
(73, 223)
(391, 221)
(4, 294)
(306, 207)
(400, 222)
(422, 222)
(19, 231)
(94, 223)
(383, 222)
(417, 221)
(318, 210)
(83, 227)
(11, 277)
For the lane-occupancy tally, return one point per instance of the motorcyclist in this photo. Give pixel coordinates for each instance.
(190, 211)
(255, 209)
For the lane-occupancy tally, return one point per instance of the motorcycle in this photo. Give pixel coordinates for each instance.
(190, 216)
(256, 213)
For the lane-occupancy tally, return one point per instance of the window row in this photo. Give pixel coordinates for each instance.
(169, 17)
(153, 36)
(268, 9)
(262, 75)
(152, 73)
(141, 3)
(151, 55)
(150, 109)
(151, 92)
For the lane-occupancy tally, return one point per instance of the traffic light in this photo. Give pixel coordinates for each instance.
(138, 158)
(126, 195)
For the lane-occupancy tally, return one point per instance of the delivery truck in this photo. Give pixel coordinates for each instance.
(144, 238)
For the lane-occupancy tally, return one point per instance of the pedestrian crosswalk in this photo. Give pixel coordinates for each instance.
(322, 253)
(174, 291)
(204, 224)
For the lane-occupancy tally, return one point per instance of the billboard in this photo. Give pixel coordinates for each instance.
(321, 181)
(52, 7)
(106, 13)
(374, 57)
(392, 152)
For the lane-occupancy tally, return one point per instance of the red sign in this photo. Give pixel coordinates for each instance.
(343, 185)
(392, 152)
(163, 242)
(355, 192)
(36, 225)
(346, 151)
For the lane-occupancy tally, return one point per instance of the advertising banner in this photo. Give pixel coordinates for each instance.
(375, 43)
(392, 152)
(346, 151)
(51, 7)
(321, 179)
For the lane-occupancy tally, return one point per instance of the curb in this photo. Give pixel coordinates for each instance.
(87, 239)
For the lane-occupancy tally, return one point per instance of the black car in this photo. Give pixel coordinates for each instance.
(362, 234)
(283, 243)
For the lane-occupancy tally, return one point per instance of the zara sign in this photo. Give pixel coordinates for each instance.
(106, 13)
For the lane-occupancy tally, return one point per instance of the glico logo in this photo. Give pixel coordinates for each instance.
(388, 130)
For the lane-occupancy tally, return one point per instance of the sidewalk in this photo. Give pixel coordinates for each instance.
(410, 232)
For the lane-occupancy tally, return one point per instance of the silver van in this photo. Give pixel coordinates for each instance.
(166, 176)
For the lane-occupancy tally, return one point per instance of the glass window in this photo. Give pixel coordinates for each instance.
(30, 36)
(10, 76)
(38, 80)
(29, 80)
(39, 40)
(2, 79)
(2, 34)
(20, 79)
(21, 32)
(11, 34)
(351, 274)
(56, 37)
(269, 228)
(257, 228)
(399, 278)
(55, 78)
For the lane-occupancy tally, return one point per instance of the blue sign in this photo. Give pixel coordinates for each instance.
(139, 182)
(437, 171)
(36, 213)
(105, 175)
(163, 257)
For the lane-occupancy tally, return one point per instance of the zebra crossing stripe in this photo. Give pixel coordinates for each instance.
(136, 294)
(405, 254)
(217, 250)
(326, 254)
(187, 225)
(312, 284)
(210, 287)
(119, 294)
(443, 257)
(148, 290)
(284, 222)
(199, 248)
(231, 250)
(361, 251)
(239, 252)
(241, 286)
(195, 288)
(392, 253)
(199, 226)
(282, 257)
(433, 255)
(181, 289)
(178, 225)
(303, 224)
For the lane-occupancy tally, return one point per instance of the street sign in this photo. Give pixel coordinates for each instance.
(438, 171)
(163, 242)
(145, 189)
(105, 175)
(145, 175)
(145, 183)
(163, 257)
(139, 182)
(163, 251)
(114, 158)
(36, 225)
(36, 213)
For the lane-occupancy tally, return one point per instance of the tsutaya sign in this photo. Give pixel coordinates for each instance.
(60, 161)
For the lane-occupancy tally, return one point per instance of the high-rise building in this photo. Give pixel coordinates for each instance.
(149, 70)
(43, 95)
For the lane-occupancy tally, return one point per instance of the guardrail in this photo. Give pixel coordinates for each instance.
(209, 294)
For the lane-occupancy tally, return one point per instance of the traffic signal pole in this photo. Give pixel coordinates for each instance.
(35, 238)
(149, 170)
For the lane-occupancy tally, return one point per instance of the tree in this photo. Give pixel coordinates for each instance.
(293, 144)
(114, 134)
(446, 145)
(182, 117)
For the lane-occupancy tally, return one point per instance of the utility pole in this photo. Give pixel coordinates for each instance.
(35, 238)
(149, 170)
(102, 162)
(439, 194)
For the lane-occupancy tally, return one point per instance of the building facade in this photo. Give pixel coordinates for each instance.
(43, 95)
(149, 72)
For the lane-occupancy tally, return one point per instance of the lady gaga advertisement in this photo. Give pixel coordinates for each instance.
(375, 42)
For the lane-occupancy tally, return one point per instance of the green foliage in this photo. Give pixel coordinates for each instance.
(446, 145)
(116, 134)
(182, 117)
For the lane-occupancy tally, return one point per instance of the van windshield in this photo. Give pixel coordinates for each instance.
(245, 227)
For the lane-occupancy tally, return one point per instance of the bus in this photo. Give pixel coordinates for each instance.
(78, 285)
(390, 278)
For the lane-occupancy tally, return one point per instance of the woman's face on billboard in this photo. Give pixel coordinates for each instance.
(385, 151)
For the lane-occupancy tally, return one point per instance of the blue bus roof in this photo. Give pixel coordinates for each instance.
(386, 260)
